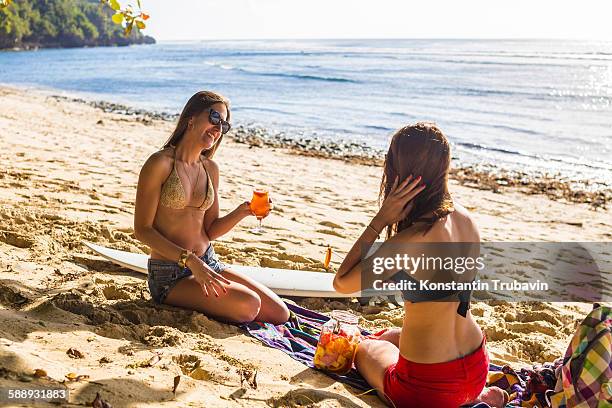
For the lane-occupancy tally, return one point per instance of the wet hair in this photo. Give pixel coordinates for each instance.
(421, 150)
(198, 103)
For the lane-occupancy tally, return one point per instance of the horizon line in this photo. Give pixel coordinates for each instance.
(386, 38)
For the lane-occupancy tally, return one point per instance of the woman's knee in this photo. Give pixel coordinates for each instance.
(363, 350)
(279, 313)
(246, 308)
(373, 351)
(392, 336)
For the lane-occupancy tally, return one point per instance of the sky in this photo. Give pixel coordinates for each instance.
(296, 19)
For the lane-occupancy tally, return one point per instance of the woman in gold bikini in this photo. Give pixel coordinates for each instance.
(177, 216)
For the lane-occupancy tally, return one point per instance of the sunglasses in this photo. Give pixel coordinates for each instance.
(214, 118)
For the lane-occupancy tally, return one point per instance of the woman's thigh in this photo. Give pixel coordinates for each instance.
(239, 304)
(273, 309)
(372, 359)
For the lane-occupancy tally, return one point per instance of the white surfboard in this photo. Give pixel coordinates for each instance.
(283, 282)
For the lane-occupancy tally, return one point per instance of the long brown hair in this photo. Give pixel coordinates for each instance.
(197, 104)
(421, 150)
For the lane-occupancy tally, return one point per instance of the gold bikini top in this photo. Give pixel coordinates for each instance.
(173, 194)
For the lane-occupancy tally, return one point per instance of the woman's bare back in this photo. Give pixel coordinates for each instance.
(434, 332)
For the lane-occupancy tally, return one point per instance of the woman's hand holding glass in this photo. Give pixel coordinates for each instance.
(246, 210)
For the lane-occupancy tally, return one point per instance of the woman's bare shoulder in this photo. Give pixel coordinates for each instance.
(458, 225)
(465, 226)
(461, 213)
(212, 168)
(210, 163)
(159, 163)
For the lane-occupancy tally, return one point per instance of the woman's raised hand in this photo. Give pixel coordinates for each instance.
(209, 280)
(398, 203)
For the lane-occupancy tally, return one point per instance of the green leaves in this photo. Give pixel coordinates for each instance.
(128, 28)
(126, 16)
(4, 3)
(114, 4)
(117, 18)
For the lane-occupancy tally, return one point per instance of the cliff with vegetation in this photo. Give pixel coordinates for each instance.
(28, 24)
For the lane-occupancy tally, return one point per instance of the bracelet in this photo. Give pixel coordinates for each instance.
(183, 258)
(373, 229)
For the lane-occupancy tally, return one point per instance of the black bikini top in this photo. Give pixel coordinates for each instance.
(418, 295)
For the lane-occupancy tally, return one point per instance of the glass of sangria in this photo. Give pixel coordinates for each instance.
(260, 206)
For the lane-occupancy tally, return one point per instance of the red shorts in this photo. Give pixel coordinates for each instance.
(441, 385)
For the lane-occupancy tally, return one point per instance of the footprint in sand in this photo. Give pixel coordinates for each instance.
(274, 243)
(276, 263)
(295, 258)
(307, 198)
(541, 315)
(531, 327)
(17, 240)
(193, 366)
(112, 292)
(364, 204)
(11, 295)
(310, 397)
(164, 336)
(187, 362)
(331, 224)
(330, 232)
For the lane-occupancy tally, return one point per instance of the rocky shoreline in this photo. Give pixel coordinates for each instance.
(484, 177)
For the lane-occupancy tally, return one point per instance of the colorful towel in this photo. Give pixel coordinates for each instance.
(298, 338)
(527, 387)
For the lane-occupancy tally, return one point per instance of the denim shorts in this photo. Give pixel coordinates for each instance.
(163, 275)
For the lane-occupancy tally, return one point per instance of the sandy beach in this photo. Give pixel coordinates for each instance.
(69, 173)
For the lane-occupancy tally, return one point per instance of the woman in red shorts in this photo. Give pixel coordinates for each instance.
(438, 357)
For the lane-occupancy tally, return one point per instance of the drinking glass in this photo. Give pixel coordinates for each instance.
(260, 206)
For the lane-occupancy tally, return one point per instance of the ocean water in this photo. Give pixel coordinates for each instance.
(530, 105)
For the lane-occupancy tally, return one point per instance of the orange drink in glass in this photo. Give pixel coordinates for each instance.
(260, 206)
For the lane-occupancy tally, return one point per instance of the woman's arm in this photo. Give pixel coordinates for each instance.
(348, 277)
(396, 207)
(214, 225)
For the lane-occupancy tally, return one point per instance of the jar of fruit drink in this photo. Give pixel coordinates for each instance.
(338, 343)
